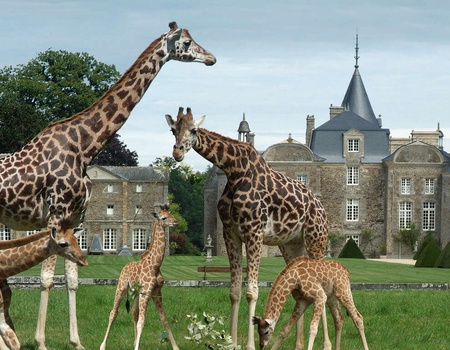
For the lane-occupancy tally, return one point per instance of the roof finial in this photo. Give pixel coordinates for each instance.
(356, 50)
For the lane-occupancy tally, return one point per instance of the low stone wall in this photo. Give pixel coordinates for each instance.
(59, 282)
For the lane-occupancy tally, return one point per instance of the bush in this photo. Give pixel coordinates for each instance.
(443, 259)
(423, 243)
(429, 255)
(351, 250)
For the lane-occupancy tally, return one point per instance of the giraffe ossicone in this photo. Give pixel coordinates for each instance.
(316, 282)
(258, 206)
(145, 276)
(23, 253)
(46, 180)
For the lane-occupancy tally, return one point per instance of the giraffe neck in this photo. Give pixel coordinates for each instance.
(24, 254)
(155, 253)
(279, 292)
(92, 128)
(233, 157)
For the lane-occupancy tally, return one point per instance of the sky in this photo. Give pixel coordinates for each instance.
(277, 61)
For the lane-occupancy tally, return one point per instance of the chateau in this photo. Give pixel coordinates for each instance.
(371, 184)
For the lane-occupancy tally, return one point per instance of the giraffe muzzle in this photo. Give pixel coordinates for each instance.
(178, 154)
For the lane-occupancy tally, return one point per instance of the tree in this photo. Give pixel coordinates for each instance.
(52, 86)
(116, 154)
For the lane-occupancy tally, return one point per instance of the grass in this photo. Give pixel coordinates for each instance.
(395, 319)
(185, 268)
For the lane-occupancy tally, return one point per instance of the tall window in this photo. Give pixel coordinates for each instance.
(352, 209)
(404, 215)
(429, 186)
(428, 219)
(405, 187)
(110, 239)
(303, 179)
(353, 145)
(110, 209)
(352, 175)
(139, 242)
(5, 233)
(82, 241)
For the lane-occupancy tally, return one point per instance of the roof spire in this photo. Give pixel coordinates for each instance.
(356, 50)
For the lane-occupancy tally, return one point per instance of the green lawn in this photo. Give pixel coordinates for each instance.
(185, 268)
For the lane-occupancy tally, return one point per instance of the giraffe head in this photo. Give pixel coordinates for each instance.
(164, 216)
(182, 47)
(265, 331)
(185, 131)
(63, 241)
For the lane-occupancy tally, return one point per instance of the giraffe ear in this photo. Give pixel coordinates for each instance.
(199, 121)
(53, 231)
(78, 231)
(170, 121)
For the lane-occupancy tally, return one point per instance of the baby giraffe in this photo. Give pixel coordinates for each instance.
(317, 282)
(146, 275)
(20, 254)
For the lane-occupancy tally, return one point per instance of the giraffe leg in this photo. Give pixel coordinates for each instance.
(338, 318)
(326, 338)
(120, 293)
(347, 302)
(300, 306)
(299, 335)
(9, 338)
(47, 273)
(157, 299)
(139, 325)
(319, 305)
(71, 273)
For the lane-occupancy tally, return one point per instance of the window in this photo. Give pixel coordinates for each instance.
(138, 188)
(5, 233)
(31, 232)
(352, 209)
(109, 239)
(353, 145)
(82, 241)
(110, 188)
(352, 175)
(405, 187)
(110, 209)
(303, 179)
(354, 237)
(428, 219)
(138, 209)
(139, 242)
(429, 186)
(404, 215)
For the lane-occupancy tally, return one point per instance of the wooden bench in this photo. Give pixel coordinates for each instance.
(221, 269)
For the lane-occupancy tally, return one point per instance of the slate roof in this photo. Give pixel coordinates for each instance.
(146, 173)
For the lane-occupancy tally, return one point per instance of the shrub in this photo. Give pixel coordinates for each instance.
(351, 250)
(443, 259)
(429, 255)
(423, 243)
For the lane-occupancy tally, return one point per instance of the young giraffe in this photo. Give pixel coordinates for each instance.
(146, 275)
(47, 179)
(317, 282)
(21, 254)
(258, 206)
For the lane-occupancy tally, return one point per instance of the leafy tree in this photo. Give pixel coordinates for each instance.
(116, 153)
(52, 86)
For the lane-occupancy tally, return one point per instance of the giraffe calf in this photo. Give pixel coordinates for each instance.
(146, 275)
(316, 282)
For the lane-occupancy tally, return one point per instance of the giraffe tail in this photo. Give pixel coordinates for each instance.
(127, 304)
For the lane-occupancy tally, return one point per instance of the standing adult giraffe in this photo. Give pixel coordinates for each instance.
(258, 206)
(47, 180)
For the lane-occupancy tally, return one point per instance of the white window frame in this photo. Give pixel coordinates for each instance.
(302, 178)
(139, 188)
(429, 186)
(405, 185)
(352, 175)
(405, 210)
(353, 145)
(32, 232)
(139, 239)
(110, 239)
(82, 241)
(356, 238)
(5, 233)
(429, 216)
(110, 188)
(352, 210)
(110, 209)
(138, 209)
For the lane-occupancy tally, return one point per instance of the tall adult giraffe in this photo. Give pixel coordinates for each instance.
(258, 206)
(47, 179)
